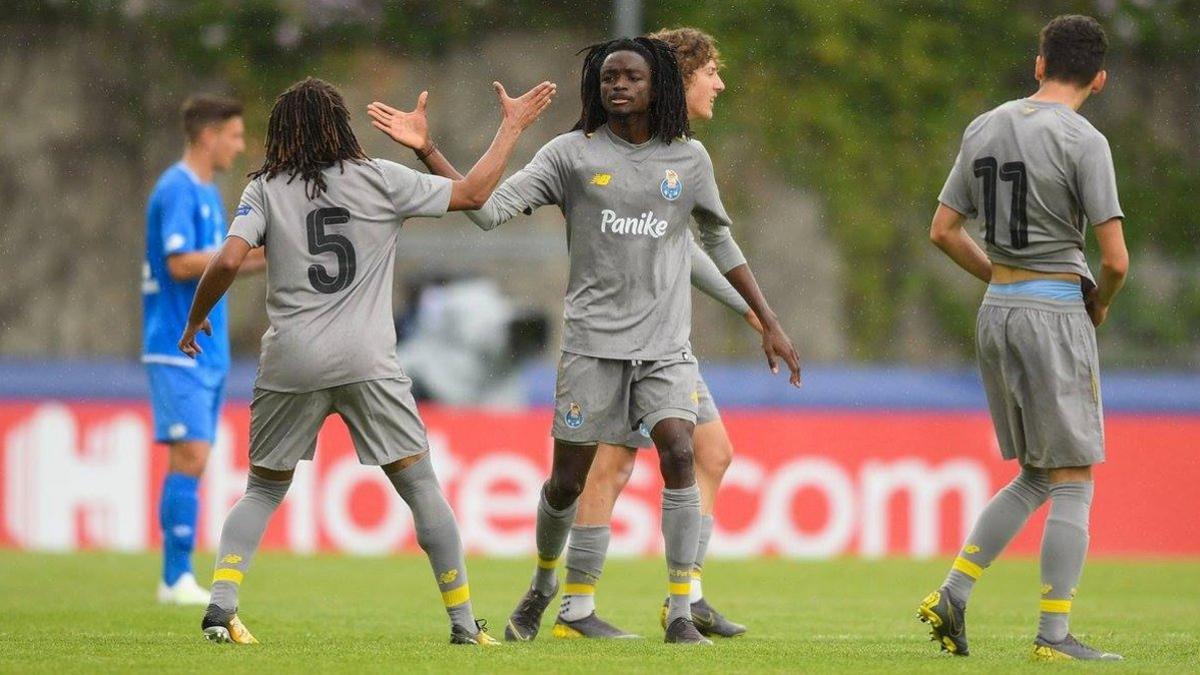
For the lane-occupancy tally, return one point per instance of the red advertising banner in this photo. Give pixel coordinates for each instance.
(803, 484)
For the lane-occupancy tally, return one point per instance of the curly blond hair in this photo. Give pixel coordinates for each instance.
(693, 48)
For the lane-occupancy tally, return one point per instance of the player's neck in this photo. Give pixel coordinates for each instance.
(633, 129)
(198, 162)
(1053, 91)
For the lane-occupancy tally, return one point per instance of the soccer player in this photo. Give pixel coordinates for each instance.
(330, 217)
(185, 223)
(1039, 174)
(699, 64)
(627, 178)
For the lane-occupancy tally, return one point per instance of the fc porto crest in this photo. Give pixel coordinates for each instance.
(574, 416)
(672, 186)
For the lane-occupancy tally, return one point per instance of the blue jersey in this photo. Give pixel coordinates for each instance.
(184, 215)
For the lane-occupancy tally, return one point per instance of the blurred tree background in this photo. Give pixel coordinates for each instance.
(859, 105)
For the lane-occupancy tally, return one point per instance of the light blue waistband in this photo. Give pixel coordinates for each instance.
(1044, 289)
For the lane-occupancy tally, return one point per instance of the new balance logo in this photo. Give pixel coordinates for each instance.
(646, 224)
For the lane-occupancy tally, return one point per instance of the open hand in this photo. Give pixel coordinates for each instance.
(410, 129)
(526, 108)
(777, 345)
(187, 343)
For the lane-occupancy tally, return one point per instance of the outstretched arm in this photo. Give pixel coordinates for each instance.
(217, 277)
(469, 192)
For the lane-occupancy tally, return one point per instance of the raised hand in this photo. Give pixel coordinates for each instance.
(410, 129)
(526, 108)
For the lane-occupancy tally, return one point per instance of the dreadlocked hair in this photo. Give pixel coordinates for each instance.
(309, 131)
(668, 104)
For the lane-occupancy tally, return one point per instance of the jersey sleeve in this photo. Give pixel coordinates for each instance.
(179, 207)
(1096, 180)
(540, 183)
(956, 193)
(713, 221)
(250, 218)
(709, 280)
(416, 194)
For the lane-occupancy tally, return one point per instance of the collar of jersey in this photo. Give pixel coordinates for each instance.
(639, 152)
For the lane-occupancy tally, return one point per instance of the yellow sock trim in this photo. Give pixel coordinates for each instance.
(545, 564)
(579, 589)
(226, 574)
(456, 596)
(679, 589)
(968, 568)
(1056, 606)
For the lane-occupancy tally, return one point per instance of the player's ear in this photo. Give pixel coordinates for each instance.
(1039, 68)
(1099, 81)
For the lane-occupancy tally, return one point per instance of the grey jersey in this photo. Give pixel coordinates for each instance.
(1040, 174)
(330, 263)
(627, 210)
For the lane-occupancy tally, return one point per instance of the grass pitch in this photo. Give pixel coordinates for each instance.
(90, 612)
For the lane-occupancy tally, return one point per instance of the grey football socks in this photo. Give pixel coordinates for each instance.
(1064, 547)
(681, 535)
(585, 562)
(240, 536)
(437, 535)
(706, 528)
(553, 526)
(1000, 521)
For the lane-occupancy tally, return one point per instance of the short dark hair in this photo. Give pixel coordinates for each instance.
(204, 110)
(1073, 49)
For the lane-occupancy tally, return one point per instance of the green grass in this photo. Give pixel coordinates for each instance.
(96, 612)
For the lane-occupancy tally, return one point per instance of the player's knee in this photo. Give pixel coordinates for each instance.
(402, 464)
(675, 457)
(562, 491)
(715, 458)
(1071, 474)
(188, 458)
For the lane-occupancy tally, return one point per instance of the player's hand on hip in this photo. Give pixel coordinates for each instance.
(777, 345)
(1096, 311)
(187, 343)
(410, 129)
(524, 110)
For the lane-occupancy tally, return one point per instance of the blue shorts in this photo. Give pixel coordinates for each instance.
(186, 402)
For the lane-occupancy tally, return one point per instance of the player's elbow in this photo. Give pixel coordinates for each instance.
(938, 236)
(227, 263)
(466, 196)
(181, 269)
(1115, 264)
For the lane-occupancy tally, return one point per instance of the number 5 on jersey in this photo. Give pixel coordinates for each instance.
(320, 241)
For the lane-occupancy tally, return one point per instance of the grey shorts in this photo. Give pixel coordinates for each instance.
(706, 411)
(604, 400)
(380, 414)
(1042, 377)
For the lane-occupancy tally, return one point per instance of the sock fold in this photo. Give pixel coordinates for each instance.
(240, 536)
(437, 535)
(681, 536)
(1002, 518)
(178, 510)
(1064, 549)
